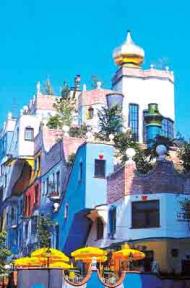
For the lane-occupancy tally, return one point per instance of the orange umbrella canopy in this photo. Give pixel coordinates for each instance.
(127, 253)
(87, 254)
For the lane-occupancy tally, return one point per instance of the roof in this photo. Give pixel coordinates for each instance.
(91, 97)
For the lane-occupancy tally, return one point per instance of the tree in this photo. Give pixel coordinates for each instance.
(48, 90)
(4, 252)
(64, 108)
(78, 131)
(44, 231)
(122, 142)
(184, 155)
(65, 90)
(110, 122)
(159, 140)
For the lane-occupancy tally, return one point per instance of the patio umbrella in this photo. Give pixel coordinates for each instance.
(29, 262)
(88, 253)
(53, 255)
(128, 254)
(99, 259)
(62, 265)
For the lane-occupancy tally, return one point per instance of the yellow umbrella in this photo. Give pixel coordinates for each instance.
(88, 252)
(62, 265)
(29, 261)
(51, 254)
(89, 259)
(127, 253)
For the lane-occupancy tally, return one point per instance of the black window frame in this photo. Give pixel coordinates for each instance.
(26, 130)
(133, 120)
(148, 214)
(100, 170)
(168, 128)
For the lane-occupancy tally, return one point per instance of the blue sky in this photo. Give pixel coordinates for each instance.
(59, 38)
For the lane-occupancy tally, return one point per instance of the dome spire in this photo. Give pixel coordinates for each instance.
(129, 54)
(129, 38)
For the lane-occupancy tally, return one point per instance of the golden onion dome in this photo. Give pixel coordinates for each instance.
(129, 54)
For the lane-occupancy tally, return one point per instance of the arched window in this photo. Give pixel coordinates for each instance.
(90, 112)
(112, 221)
(99, 228)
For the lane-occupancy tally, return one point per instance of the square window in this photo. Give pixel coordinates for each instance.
(100, 168)
(29, 134)
(145, 214)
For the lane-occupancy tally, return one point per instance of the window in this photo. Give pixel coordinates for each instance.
(168, 128)
(57, 236)
(112, 222)
(29, 203)
(134, 120)
(90, 112)
(100, 168)
(34, 225)
(5, 184)
(29, 134)
(99, 228)
(47, 185)
(12, 214)
(26, 230)
(36, 194)
(58, 181)
(145, 112)
(37, 164)
(66, 211)
(21, 207)
(80, 172)
(174, 252)
(145, 214)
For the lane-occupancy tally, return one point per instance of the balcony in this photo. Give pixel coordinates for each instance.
(54, 196)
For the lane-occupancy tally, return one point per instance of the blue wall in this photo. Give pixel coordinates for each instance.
(82, 195)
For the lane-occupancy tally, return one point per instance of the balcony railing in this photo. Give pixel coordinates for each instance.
(54, 196)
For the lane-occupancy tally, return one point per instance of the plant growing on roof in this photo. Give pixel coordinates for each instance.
(184, 155)
(110, 122)
(48, 89)
(64, 115)
(125, 140)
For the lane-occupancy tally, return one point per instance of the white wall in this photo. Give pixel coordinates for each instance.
(146, 90)
(26, 148)
(170, 226)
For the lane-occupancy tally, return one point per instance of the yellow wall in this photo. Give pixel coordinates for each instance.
(162, 252)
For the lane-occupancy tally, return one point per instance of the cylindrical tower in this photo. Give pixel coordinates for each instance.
(153, 120)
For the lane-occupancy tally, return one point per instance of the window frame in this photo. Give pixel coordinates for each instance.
(133, 120)
(26, 130)
(100, 175)
(147, 214)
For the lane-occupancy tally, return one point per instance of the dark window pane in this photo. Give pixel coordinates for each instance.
(100, 166)
(134, 120)
(112, 221)
(100, 228)
(168, 128)
(145, 214)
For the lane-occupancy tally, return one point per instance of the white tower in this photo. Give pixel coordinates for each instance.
(142, 87)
